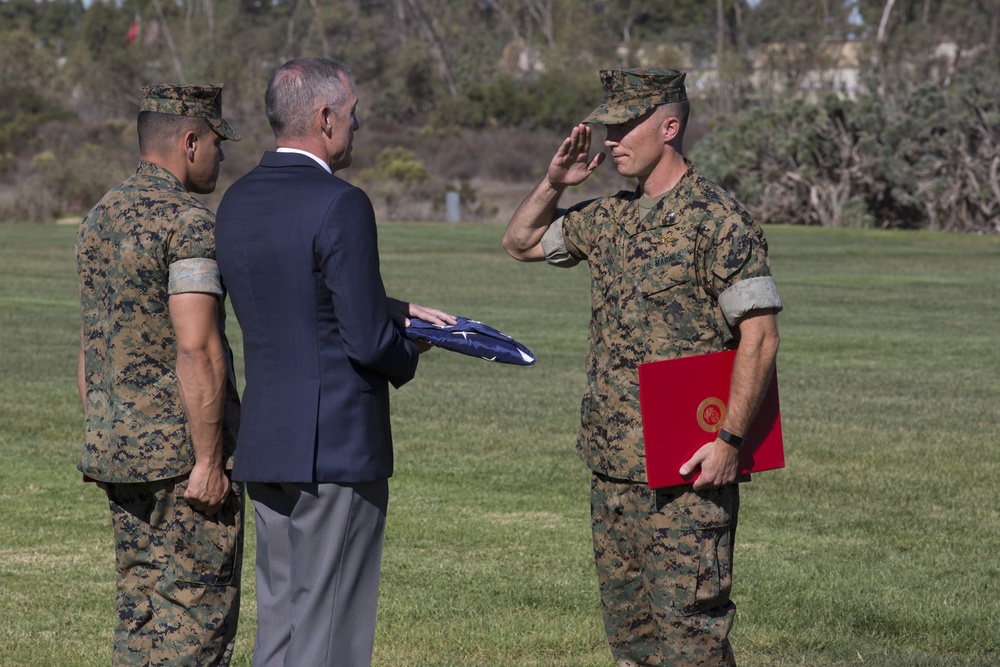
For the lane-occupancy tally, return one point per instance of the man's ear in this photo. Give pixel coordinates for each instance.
(670, 127)
(190, 145)
(324, 118)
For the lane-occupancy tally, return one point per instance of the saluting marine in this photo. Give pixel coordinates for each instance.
(678, 268)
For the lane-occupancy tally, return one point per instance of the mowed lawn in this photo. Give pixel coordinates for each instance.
(877, 545)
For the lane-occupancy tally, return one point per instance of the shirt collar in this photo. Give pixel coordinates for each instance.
(153, 170)
(286, 149)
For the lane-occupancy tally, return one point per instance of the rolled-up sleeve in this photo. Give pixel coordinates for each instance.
(557, 253)
(749, 294)
(195, 275)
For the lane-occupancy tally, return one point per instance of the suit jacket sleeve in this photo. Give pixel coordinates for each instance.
(349, 263)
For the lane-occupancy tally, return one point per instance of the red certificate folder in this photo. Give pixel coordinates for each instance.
(683, 402)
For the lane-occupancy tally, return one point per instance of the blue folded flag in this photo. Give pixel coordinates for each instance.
(472, 338)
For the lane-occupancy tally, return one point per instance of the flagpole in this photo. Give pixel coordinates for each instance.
(170, 42)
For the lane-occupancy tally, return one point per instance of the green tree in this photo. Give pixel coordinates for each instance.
(107, 74)
(408, 86)
(791, 40)
(910, 156)
(54, 22)
(916, 39)
(28, 86)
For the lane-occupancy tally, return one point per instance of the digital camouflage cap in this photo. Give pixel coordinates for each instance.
(194, 101)
(629, 93)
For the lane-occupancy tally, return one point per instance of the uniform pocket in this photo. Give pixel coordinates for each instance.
(206, 548)
(664, 299)
(659, 283)
(702, 579)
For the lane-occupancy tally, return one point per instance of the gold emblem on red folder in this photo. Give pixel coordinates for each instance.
(711, 413)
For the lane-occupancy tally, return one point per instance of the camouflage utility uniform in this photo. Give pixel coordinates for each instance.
(671, 276)
(177, 569)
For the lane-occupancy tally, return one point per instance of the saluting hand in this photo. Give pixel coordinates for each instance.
(572, 164)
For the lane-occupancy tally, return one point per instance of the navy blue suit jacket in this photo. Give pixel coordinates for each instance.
(298, 253)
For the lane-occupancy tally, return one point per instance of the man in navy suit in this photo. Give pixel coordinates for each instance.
(298, 252)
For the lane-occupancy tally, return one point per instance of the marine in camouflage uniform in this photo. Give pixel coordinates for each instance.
(678, 268)
(149, 292)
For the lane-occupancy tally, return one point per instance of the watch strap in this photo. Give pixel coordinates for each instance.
(730, 438)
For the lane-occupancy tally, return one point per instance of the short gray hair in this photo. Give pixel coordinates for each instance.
(298, 88)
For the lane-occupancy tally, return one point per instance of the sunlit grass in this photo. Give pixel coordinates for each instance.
(875, 546)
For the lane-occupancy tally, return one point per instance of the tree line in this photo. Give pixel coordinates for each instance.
(876, 113)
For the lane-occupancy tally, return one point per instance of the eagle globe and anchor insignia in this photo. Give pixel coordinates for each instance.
(711, 412)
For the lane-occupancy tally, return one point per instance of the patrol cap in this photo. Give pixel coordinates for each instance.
(629, 93)
(194, 101)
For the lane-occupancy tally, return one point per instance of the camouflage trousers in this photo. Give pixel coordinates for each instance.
(178, 576)
(664, 565)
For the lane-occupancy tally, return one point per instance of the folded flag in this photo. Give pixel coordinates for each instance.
(472, 338)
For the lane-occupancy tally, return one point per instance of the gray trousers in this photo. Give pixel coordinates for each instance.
(319, 550)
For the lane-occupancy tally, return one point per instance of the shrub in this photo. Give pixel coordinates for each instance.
(914, 157)
(557, 100)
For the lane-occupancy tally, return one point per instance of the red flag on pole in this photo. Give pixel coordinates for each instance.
(133, 32)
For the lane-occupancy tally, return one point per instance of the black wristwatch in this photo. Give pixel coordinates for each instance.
(727, 437)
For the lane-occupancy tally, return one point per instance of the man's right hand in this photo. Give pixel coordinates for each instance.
(572, 164)
(207, 488)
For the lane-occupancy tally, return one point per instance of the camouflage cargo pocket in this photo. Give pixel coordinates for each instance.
(700, 572)
(206, 547)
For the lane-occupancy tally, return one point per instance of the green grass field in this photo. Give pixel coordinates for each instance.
(875, 546)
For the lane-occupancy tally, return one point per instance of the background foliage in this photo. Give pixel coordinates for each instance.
(913, 157)
(876, 113)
